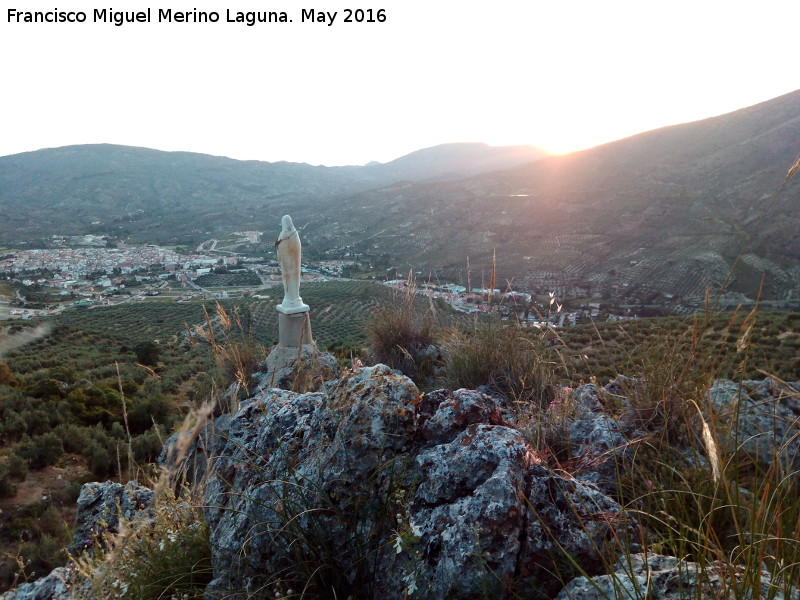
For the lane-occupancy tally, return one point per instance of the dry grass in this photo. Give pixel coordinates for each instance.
(398, 332)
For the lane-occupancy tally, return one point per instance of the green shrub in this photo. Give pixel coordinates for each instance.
(7, 487)
(147, 446)
(397, 333)
(40, 451)
(17, 466)
(44, 554)
(74, 437)
(101, 462)
(168, 557)
(506, 359)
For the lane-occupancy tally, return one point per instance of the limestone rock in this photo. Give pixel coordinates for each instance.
(316, 455)
(599, 448)
(50, 587)
(768, 418)
(444, 414)
(660, 577)
(100, 506)
(441, 498)
(301, 369)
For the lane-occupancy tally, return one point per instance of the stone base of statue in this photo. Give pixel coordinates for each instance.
(295, 348)
(294, 329)
(292, 308)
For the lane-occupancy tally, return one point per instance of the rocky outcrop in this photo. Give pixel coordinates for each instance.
(54, 586)
(760, 418)
(301, 369)
(368, 488)
(50, 587)
(660, 577)
(100, 506)
(371, 484)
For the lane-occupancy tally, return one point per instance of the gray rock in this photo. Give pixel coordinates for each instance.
(638, 576)
(763, 418)
(443, 414)
(428, 496)
(50, 587)
(598, 446)
(322, 458)
(285, 368)
(100, 506)
(489, 518)
(588, 400)
(469, 512)
(302, 369)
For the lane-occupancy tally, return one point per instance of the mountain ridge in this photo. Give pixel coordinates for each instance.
(616, 214)
(660, 214)
(63, 190)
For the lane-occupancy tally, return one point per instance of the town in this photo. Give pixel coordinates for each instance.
(81, 272)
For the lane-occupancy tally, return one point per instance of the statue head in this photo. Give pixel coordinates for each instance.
(287, 227)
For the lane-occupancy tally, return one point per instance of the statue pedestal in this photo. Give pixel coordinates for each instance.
(294, 330)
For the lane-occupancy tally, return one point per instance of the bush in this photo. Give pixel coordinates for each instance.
(7, 488)
(147, 353)
(41, 451)
(74, 437)
(43, 555)
(101, 461)
(17, 467)
(147, 446)
(397, 334)
(7, 377)
(168, 557)
(506, 360)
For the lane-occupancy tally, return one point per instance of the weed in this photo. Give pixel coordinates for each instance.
(399, 332)
(506, 360)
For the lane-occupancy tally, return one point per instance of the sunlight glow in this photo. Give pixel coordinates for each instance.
(554, 75)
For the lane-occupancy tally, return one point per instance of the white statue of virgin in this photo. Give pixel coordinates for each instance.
(289, 253)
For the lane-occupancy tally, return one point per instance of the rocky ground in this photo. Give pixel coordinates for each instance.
(373, 489)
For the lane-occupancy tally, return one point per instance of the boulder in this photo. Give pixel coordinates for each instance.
(305, 368)
(443, 414)
(376, 491)
(50, 587)
(638, 576)
(100, 506)
(302, 369)
(762, 418)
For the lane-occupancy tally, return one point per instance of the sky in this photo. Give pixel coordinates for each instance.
(559, 74)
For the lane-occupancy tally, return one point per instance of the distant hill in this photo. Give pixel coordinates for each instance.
(148, 194)
(654, 216)
(176, 197)
(663, 212)
(453, 161)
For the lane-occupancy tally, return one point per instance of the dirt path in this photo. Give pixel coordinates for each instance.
(12, 341)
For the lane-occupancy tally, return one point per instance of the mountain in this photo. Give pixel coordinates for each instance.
(147, 195)
(661, 213)
(453, 161)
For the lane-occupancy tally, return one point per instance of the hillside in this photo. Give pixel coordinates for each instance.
(653, 218)
(664, 212)
(145, 195)
(453, 161)
(148, 193)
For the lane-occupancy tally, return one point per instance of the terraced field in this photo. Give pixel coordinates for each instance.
(606, 349)
(228, 280)
(340, 311)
